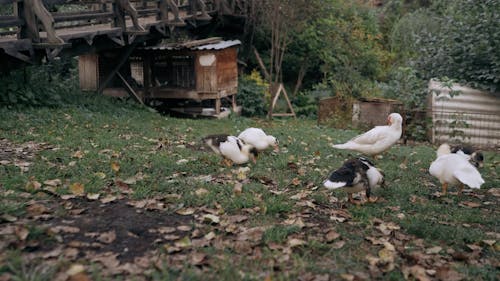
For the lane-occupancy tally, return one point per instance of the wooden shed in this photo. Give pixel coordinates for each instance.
(198, 70)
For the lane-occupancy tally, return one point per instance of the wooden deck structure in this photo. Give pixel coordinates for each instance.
(34, 30)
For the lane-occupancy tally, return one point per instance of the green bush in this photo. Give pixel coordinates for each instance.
(251, 96)
(50, 84)
(465, 47)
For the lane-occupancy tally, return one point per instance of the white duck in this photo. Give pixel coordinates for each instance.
(454, 169)
(231, 148)
(378, 139)
(356, 174)
(259, 139)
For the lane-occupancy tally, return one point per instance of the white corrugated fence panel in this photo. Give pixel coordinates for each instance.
(472, 116)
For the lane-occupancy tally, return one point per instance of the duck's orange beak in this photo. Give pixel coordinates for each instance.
(389, 121)
(276, 148)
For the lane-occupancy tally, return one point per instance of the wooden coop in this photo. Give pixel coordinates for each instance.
(202, 71)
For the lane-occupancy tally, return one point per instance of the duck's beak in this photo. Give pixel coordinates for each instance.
(389, 121)
(253, 158)
(276, 148)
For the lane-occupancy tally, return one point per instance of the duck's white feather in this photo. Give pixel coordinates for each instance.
(454, 169)
(334, 185)
(258, 138)
(235, 150)
(376, 140)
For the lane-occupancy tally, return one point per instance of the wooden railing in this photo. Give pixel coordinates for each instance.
(35, 20)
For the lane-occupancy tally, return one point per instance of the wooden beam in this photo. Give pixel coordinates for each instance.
(129, 88)
(128, 50)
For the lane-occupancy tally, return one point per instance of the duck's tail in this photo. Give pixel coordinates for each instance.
(443, 149)
(470, 177)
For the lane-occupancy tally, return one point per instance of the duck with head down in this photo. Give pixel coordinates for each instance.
(259, 139)
(232, 149)
(355, 175)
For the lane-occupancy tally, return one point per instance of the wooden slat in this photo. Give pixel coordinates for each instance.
(9, 21)
(77, 17)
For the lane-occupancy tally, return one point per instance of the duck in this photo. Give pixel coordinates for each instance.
(454, 169)
(231, 148)
(476, 157)
(356, 175)
(259, 139)
(378, 139)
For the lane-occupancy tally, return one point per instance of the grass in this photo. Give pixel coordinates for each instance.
(88, 137)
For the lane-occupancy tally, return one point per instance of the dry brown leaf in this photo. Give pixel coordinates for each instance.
(198, 258)
(77, 189)
(470, 204)
(115, 166)
(331, 235)
(93, 196)
(75, 269)
(64, 229)
(201, 192)
(32, 185)
(78, 154)
(82, 276)
(183, 243)
(54, 182)
(433, 250)
(107, 237)
(210, 235)
(211, 218)
(448, 274)
(238, 188)
(108, 199)
(416, 271)
(185, 211)
(494, 191)
(294, 242)
(21, 232)
(296, 181)
(37, 209)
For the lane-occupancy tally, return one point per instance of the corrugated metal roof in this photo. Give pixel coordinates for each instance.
(213, 46)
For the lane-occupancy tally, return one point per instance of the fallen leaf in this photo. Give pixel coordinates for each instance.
(494, 191)
(331, 235)
(433, 250)
(448, 274)
(21, 232)
(115, 167)
(78, 154)
(294, 242)
(108, 198)
(107, 237)
(416, 271)
(37, 209)
(198, 258)
(183, 243)
(211, 218)
(469, 204)
(32, 185)
(75, 269)
(201, 192)
(238, 188)
(54, 182)
(185, 211)
(93, 196)
(77, 189)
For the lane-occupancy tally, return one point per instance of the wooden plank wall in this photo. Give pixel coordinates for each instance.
(88, 72)
(227, 70)
(206, 70)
